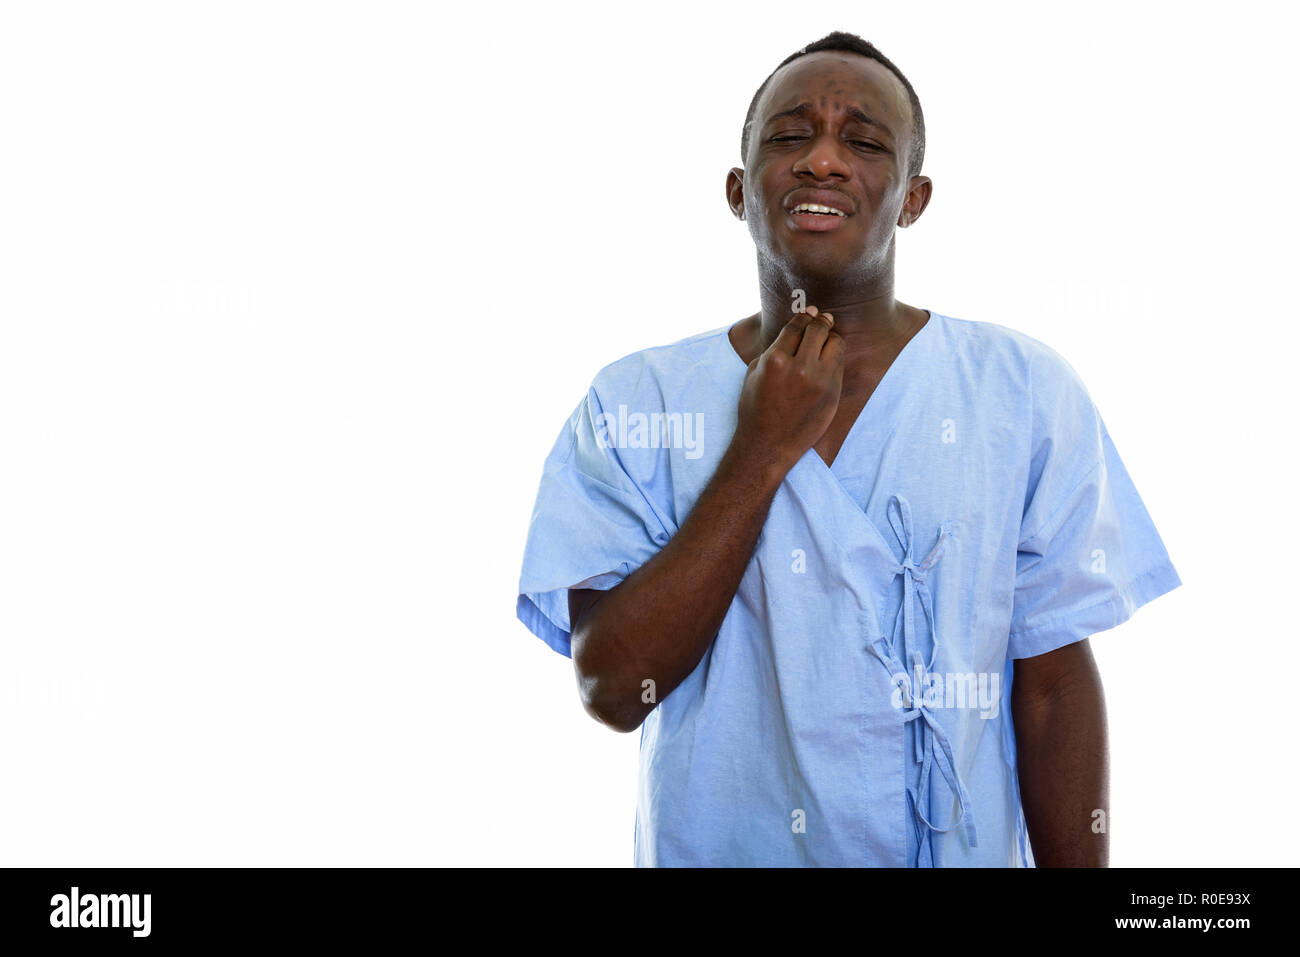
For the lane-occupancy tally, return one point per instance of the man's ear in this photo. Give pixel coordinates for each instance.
(918, 197)
(736, 191)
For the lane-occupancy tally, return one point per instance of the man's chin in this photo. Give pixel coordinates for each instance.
(829, 268)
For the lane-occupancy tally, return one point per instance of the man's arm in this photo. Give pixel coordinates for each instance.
(656, 624)
(1059, 713)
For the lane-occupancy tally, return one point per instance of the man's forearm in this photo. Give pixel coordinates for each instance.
(657, 624)
(1061, 746)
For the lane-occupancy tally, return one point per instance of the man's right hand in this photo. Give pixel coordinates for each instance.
(791, 391)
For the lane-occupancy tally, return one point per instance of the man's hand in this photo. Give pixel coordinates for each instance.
(791, 392)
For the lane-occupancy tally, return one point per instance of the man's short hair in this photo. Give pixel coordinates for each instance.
(851, 43)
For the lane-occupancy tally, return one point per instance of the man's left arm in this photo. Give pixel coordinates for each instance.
(1059, 714)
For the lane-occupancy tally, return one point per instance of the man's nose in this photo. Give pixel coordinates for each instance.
(824, 159)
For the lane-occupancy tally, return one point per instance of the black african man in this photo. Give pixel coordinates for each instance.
(840, 560)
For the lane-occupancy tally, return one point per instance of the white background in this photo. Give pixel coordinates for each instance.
(295, 298)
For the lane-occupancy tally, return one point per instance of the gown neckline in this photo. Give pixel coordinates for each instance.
(886, 383)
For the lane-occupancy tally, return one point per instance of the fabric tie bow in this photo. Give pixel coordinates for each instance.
(928, 730)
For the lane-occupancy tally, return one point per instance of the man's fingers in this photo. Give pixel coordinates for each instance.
(787, 340)
(834, 348)
(814, 337)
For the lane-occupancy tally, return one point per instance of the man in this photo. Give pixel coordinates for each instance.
(839, 561)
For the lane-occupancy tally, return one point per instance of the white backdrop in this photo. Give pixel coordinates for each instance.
(296, 297)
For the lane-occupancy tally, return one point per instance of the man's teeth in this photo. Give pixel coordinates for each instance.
(816, 208)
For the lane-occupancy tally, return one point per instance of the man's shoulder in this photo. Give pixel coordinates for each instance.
(1029, 360)
(995, 337)
(669, 364)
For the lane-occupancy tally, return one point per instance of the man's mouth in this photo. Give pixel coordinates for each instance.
(816, 218)
(817, 210)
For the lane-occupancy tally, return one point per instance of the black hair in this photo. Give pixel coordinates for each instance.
(851, 43)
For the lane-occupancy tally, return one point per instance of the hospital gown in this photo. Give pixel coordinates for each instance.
(854, 707)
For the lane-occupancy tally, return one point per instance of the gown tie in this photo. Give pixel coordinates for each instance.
(928, 730)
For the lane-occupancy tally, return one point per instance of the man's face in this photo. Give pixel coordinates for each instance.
(833, 129)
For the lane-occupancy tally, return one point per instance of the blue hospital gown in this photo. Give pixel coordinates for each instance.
(854, 707)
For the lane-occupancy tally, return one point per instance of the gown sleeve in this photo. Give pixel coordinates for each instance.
(1089, 554)
(592, 525)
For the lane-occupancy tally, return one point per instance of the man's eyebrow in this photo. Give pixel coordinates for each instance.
(852, 111)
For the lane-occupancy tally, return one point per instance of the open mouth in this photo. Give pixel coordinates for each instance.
(817, 209)
(815, 217)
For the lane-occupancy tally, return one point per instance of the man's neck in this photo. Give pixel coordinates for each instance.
(872, 324)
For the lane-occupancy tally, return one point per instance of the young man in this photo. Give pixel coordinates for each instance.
(802, 552)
